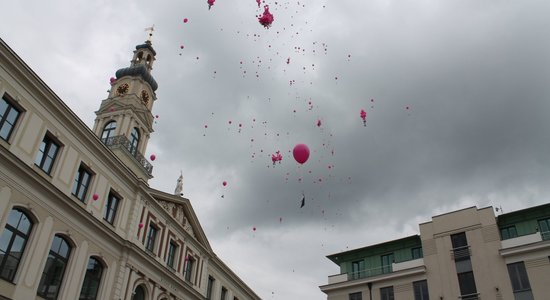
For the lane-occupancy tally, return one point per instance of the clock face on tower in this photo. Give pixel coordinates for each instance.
(122, 89)
(144, 96)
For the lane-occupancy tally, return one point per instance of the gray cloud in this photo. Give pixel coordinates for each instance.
(474, 76)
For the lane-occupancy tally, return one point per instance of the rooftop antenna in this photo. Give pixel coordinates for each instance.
(499, 209)
(150, 29)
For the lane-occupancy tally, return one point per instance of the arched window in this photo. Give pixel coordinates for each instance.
(134, 141)
(12, 242)
(108, 131)
(139, 56)
(92, 279)
(52, 277)
(139, 293)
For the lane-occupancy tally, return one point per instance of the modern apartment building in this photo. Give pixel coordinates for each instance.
(466, 254)
(78, 219)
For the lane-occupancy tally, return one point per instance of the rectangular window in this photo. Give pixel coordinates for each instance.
(520, 281)
(47, 153)
(416, 253)
(8, 117)
(421, 290)
(459, 240)
(111, 206)
(461, 250)
(223, 294)
(386, 293)
(467, 284)
(387, 261)
(82, 182)
(544, 228)
(151, 237)
(357, 269)
(356, 296)
(508, 232)
(172, 250)
(210, 287)
(189, 268)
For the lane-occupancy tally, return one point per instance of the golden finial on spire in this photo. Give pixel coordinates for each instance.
(150, 29)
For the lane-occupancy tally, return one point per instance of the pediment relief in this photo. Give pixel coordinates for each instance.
(176, 211)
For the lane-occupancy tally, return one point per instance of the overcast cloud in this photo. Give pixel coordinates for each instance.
(459, 114)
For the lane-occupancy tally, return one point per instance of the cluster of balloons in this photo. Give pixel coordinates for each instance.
(267, 18)
(277, 157)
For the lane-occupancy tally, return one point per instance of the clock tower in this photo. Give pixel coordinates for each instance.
(124, 120)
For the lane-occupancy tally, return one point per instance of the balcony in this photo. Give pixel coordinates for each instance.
(393, 270)
(122, 142)
(525, 243)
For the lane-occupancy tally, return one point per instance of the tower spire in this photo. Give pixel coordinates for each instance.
(150, 34)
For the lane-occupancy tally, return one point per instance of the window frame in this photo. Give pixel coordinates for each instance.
(355, 296)
(44, 154)
(386, 293)
(91, 280)
(107, 133)
(15, 232)
(77, 185)
(420, 290)
(520, 282)
(418, 251)
(151, 239)
(172, 254)
(110, 212)
(506, 232)
(11, 106)
(210, 287)
(387, 268)
(223, 293)
(189, 265)
(46, 273)
(135, 137)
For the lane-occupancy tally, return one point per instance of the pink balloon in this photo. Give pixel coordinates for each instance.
(153, 157)
(140, 225)
(301, 153)
(95, 197)
(185, 20)
(224, 183)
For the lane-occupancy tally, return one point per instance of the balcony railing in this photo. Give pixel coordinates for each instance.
(388, 269)
(121, 141)
(461, 253)
(370, 272)
(470, 297)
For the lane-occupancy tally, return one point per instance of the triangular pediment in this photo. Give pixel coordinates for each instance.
(181, 211)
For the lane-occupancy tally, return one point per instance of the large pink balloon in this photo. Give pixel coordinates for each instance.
(301, 153)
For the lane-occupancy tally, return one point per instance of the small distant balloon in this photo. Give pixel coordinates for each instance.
(318, 123)
(181, 47)
(254, 228)
(112, 80)
(153, 157)
(301, 153)
(140, 225)
(185, 20)
(95, 196)
(224, 183)
(363, 115)
(210, 3)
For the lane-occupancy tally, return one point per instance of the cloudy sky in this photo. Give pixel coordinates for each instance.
(457, 95)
